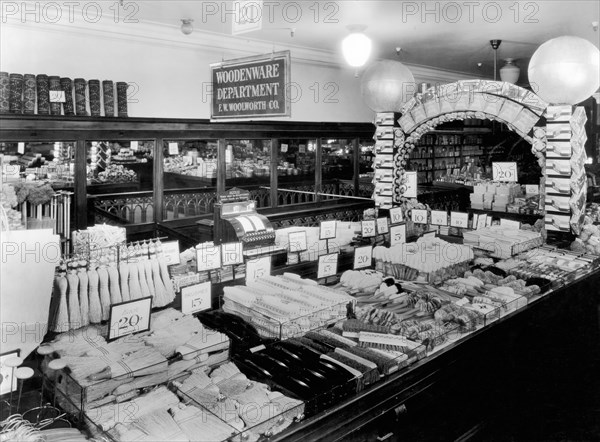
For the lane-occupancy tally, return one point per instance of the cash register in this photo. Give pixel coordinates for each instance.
(236, 220)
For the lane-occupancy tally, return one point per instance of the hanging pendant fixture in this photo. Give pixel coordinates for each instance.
(510, 71)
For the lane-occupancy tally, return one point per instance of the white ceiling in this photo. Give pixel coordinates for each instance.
(449, 35)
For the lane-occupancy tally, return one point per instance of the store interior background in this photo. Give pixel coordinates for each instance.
(170, 69)
(170, 73)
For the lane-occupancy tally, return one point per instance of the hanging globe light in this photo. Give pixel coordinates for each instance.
(565, 70)
(356, 47)
(387, 85)
(510, 71)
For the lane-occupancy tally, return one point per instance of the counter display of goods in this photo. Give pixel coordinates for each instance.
(250, 407)
(100, 372)
(410, 261)
(501, 241)
(285, 306)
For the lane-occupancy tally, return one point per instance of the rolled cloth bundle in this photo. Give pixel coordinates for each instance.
(94, 87)
(43, 94)
(4, 92)
(108, 89)
(80, 102)
(122, 98)
(66, 85)
(15, 99)
(29, 94)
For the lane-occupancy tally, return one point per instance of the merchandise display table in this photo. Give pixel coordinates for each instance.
(551, 347)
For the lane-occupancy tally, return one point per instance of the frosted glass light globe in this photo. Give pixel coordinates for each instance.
(565, 70)
(387, 85)
(356, 49)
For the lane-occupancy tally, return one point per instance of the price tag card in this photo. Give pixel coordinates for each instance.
(398, 234)
(504, 171)
(297, 241)
(284, 147)
(411, 185)
(419, 216)
(134, 145)
(488, 220)
(363, 257)
(257, 268)
(383, 226)
(302, 148)
(129, 317)
(327, 229)
(196, 298)
(510, 224)
(170, 252)
(173, 148)
(57, 97)
(532, 189)
(439, 217)
(459, 219)
(368, 228)
(208, 257)
(327, 265)
(396, 216)
(232, 253)
(482, 221)
(21, 148)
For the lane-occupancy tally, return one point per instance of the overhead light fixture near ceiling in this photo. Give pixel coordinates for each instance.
(186, 26)
(510, 71)
(356, 47)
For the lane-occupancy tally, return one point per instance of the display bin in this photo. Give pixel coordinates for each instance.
(250, 420)
(85, 394)
(280, 327)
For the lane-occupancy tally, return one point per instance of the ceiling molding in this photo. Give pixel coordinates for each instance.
(235, 46)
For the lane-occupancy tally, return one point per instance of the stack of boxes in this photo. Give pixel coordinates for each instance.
(566, 182)
(494, 196)
(383, 162)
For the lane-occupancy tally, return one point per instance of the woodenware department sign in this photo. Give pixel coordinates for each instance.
(251, 87)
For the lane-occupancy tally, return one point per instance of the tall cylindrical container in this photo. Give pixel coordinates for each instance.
(4, 92)
(80, 101)
(66, 85)
(122, 98)
(15, 99)
(29, 94)
(54, 82)
(95, 107)
(43, 94)
(108, 90)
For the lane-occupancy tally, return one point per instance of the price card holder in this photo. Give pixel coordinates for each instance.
(129, 317)
(9, 383)
(328, 265)
(196, 298)
(396, 216)
(510, 224)
(419, 216)
(363, 257)
(257, 268)
(439, 217)
(411, 185)
(208, 258)
(57, 97)
(368, 228)
(398, 234)
(170, 252)
(459, 219)
(297, 241)
(383, 226)
(173, 148)
(327, 229)
(232, 253)
(504, 171)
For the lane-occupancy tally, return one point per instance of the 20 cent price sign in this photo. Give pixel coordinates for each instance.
(129, 317)
(362, 257)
